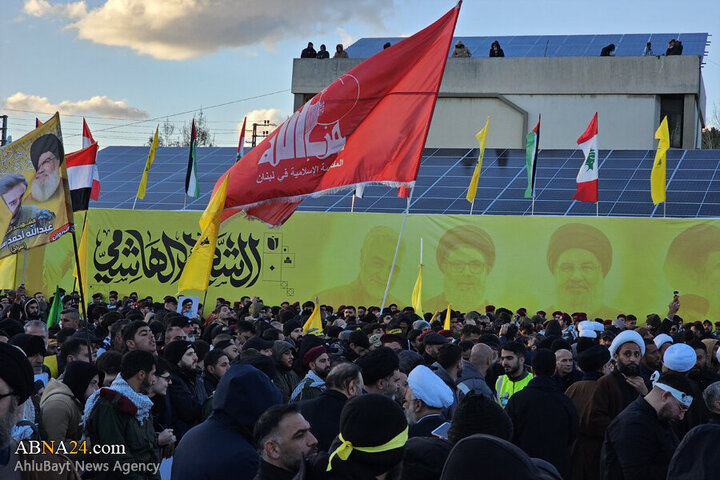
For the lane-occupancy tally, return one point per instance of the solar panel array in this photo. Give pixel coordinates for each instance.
(626, 45)
(693, 178)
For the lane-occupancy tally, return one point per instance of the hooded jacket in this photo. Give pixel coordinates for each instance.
(61, 412)
(286, 379)
(221, 447)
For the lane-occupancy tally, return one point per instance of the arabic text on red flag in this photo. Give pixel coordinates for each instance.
(369, 126)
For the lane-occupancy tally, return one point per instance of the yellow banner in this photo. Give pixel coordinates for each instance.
(34, 188)
(601, 266)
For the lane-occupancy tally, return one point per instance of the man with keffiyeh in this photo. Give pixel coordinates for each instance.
(120, 415)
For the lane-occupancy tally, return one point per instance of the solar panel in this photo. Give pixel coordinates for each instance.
(626, 45)
(443, 178)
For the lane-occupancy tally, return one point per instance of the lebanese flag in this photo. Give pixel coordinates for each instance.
(370, 125)
(241, 142)
(87, 140)
(587, 177)
(80, 168)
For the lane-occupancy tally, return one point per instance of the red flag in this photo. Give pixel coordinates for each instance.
(403, 192)
(241, 142)
(88, 140)
(37, 122)
(370, 125)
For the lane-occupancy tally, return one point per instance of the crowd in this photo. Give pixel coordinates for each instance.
(248, 391)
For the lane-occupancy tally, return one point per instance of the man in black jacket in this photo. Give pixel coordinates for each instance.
(186, 391)
(640, 441)
(545, 422)
(343, 382)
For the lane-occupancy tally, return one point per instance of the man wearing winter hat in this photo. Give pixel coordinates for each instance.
(292, 329)
(371, 442)
(427, 395)
(613, 392)
(186, 391)
(544, 419)
(317, 361)
(287, 379)
(16, 386)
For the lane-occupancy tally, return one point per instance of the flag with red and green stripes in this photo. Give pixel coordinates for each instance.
(531, 152)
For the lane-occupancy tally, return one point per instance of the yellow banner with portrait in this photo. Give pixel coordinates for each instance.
(601, 266)
(34, 187)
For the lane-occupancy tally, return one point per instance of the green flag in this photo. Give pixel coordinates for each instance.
(55, 309)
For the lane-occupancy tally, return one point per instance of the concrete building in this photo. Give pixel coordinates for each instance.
(630, 93)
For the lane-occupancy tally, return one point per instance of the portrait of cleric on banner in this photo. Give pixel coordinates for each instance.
(34, 188)
(465, 255)
(579, 257)
(376, 256)
(692, 266)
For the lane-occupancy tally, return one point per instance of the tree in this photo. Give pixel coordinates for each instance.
(710, 134)
(166, 137)
(204, 137)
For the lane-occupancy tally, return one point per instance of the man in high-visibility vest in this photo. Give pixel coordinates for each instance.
(512, 357)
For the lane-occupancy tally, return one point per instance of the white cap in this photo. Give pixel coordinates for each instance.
(625, 337)
(680, 357)
(429, 388)
(662, 339)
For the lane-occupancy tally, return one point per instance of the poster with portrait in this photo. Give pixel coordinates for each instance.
(188, 306)
(36, 207)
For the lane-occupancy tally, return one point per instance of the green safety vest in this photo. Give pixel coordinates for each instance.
(506, 388)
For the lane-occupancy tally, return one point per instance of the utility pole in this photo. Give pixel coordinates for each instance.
(3, 130)
(264, 132)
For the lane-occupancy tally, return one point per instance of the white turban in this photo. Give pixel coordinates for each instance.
(662, 339)
(680, 357)
(625, 337)
(429, 388)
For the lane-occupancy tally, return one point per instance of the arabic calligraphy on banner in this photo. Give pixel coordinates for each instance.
(34, 188)
(602, 266)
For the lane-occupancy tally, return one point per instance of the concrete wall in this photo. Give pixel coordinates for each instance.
(567, 91)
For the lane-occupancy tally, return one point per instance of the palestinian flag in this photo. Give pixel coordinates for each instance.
(192, 189)
(587, 177)
(531, 152)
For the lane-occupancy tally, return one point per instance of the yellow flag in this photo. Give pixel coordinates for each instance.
(196, 274)
(417, 294)
(481, 138)
(314, 321)
(148, 164)
(658, 175)
(447, 326)
(82, 255)
(8, 266)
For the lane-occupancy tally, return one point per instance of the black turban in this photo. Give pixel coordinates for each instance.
(578, 235)
(30, 344)
(16, 371)
(77, 377)
(46, 143)
(377, 364)
(593, 358)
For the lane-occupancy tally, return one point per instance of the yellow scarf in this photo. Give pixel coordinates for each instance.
(345, 448)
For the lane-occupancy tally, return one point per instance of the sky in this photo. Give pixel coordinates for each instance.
(128, 65)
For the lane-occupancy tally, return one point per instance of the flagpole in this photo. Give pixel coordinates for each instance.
(532, 206)
(134, 202)
(597, 209)
(352, 205)
(397, 248)
(421, 250)
(472, 204)
(24, 266)
(82, 293)
(664, 203)
(184, 200)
